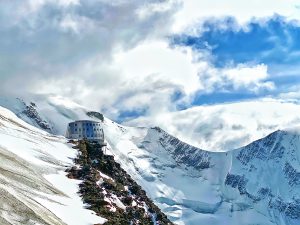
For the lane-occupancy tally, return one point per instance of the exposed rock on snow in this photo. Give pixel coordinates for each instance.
(112, 191)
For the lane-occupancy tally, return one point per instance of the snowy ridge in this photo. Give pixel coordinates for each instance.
(50, 113)
(33, 184)
(271, 171)
(181, 152)
(258, 183)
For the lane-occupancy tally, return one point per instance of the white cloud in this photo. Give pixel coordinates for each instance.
(48, 39)
(227, 126)
(252, 78)
(68, 23)
(292, 94)
(194, 11)
(156, 59)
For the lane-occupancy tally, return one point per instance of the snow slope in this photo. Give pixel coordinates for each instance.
(33, 185)
(255, 184)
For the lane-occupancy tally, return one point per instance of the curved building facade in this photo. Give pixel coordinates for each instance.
(85, 129)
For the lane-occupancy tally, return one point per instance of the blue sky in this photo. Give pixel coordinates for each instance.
(270, 41)
(274, 41)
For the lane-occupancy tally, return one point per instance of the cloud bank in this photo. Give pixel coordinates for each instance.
(225, 127)
(49, 44)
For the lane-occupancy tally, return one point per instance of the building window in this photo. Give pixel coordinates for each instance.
(75, 124)
(75, 129)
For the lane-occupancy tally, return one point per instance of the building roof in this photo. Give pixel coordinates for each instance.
(86, 121)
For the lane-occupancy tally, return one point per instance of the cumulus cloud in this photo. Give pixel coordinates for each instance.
(252, 78)
(48, 39)
(244, 77)
(81, 49)
(197, 11)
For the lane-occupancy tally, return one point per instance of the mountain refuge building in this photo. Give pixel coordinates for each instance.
(86, 129)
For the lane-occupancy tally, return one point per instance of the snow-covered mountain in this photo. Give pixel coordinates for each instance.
(255, 184)
(33, 185)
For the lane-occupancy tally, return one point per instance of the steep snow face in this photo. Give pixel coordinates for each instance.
(174, 188)
(33, 185)
(256, 184)
(267, 173)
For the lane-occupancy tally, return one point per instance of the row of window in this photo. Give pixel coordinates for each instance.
(89, 136)
(87, 129)
(89, 124)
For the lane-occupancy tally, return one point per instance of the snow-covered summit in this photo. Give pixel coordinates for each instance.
(255, 184)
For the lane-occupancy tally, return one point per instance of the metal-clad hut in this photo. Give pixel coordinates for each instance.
(85, 129)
